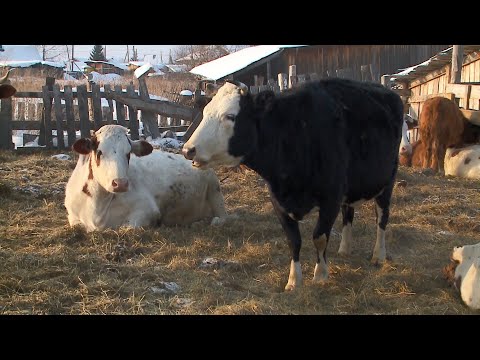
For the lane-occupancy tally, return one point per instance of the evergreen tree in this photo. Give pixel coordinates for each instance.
(97, 53)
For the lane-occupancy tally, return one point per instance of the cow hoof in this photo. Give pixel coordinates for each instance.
(320, 275)
(217, 221)
(344, 252)
(292, 286)
(377, 261)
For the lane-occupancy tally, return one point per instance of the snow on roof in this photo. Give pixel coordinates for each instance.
(176, 68)
(236, 61)
(110, 62)
(24, 56)
(142, 70)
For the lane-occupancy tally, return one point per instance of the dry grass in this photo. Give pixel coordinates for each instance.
(50, 268)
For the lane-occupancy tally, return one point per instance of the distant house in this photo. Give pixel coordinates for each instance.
(107, 67)
(361, 62)
(28, 62)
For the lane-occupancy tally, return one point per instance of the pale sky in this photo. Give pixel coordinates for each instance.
(119, 51)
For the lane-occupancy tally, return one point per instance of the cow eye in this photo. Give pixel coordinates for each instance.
(230, 117)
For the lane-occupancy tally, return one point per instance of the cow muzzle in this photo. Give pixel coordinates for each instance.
(120, 185)
(189, 152)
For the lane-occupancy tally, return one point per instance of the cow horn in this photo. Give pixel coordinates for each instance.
(242, 86)
(4, 79)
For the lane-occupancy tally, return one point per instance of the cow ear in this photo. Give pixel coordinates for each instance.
(210, 90)
(82, 146)
(141, 148)
(263, 99)
(6, 91)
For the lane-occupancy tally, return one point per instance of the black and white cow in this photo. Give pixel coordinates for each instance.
(327, 145)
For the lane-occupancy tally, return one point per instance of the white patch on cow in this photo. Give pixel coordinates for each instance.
(163, 187)
(320, 274)
(470, 287)
(346, 242)
(379, 252)
(465, 163)
(405, 146)
(212, 136)
(295, 277)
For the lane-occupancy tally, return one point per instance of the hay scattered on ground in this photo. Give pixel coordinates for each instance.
(50, 268)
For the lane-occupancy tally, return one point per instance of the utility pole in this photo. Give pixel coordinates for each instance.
(105, 51)
(73, 57)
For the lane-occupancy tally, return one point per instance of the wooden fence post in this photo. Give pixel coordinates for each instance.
(42, 138)
(120, 107)
(457, 62)
(97, 106)
(47, 115)
(132, 115)
(6, 124)
(282, 81)
(109, 114)
(67, 90)
(58, 117)
(292, 76)
(150, 126)
(83, 111)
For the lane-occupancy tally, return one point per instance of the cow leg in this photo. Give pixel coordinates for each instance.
(321, 235)
(382, 212)
(435, 155)
(294, 239)
(346, 242)
(217, 203)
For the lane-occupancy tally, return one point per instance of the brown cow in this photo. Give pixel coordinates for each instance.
(6, 90)
(441, 125)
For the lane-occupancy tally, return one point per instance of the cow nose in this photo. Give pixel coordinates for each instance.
(189, 152)
(120, 185)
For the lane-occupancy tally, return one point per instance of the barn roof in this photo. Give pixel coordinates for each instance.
(236, 61)
(436, 62)
(24, 56)
(109, 62)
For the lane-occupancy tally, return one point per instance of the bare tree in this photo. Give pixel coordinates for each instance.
(51, 52)
(193, 55)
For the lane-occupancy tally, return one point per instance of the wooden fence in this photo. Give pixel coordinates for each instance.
(71, 110)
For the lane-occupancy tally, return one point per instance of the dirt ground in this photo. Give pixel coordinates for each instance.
(237, 268)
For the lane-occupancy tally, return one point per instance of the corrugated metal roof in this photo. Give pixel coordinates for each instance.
(236, 61)
(434, 63)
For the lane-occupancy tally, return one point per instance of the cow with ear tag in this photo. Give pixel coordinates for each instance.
(109, 187)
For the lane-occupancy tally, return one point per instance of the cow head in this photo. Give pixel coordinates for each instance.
(6, 90)
(405, 146)
(227, 132)
(109, 150)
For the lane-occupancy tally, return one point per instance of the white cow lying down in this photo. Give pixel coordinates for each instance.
(467, 273)
(108, 189)
(463, 162)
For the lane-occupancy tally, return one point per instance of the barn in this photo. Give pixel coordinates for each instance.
(27, 61)
(361, 62)
(433, 77)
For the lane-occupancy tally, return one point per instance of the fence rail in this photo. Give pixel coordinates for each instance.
(84, 109)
